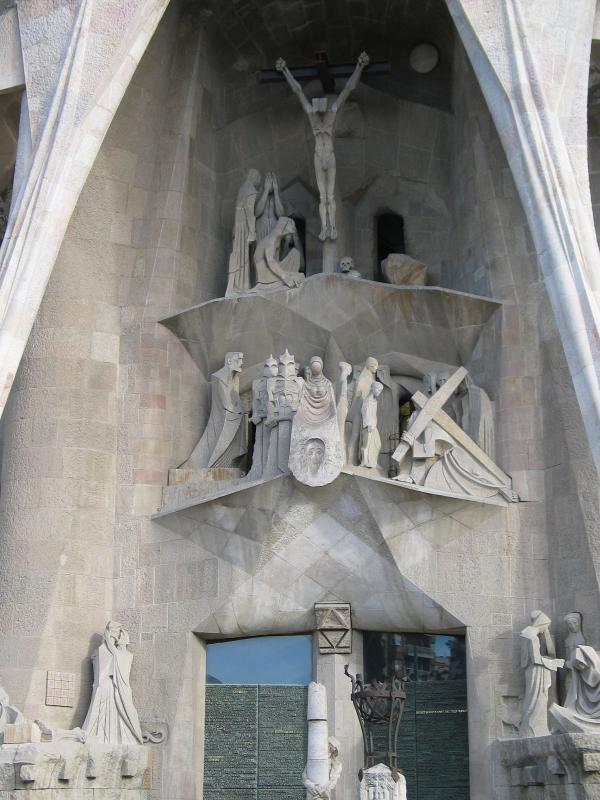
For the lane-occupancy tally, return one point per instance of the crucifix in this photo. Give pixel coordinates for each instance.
(322, 115)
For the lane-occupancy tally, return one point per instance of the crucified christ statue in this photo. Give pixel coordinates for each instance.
(322, 118)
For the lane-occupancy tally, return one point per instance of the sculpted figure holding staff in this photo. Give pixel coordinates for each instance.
(322, 118)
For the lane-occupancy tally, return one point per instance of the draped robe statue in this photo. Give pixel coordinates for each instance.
(370, 440)
(223, 442)
(316, 453)
(112, 717)
(581, 710)
(539, 664)
(244, 233)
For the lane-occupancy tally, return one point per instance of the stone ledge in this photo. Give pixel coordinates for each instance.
(70, 765)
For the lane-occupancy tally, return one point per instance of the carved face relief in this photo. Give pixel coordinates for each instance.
(235, 361)
(314, 450)
(573, 622)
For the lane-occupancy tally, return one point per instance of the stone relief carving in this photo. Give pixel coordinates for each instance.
(581, 710)
(9, 715)
(323, 763)
(112, 717)
(302, 425)
(539, 663)
(379, 783)
(436, 453)
(316, 453)
(223, 443)
(269, 207)
(334, 627)
(322, 118)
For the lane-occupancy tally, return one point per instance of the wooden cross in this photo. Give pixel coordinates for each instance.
(324, 71)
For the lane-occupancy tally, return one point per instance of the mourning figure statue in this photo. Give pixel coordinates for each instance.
(273, 268)
(581, 710)
(244, 233)
(112, 717)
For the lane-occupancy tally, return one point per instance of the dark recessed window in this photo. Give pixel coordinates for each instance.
(390, 236)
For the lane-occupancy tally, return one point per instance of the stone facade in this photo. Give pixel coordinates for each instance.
(135, 128)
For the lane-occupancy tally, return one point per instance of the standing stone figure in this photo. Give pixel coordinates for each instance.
(370, 440)
(223, 442)
(244, 233)
(322, 118)
(316, 453)
(260, 408)
(112, 717)
(538, 660)
(581, 710)
(360, 391)
(341, 398)
(283, 392)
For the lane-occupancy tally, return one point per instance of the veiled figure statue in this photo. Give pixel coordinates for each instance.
(581, 710)
(316, 453)
(112, 717)
(244, 233)
(223, 443)
(539, 662)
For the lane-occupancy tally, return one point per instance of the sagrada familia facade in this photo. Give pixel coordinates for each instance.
(300, 399)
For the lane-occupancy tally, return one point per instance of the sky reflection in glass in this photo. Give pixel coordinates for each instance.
(261, 660)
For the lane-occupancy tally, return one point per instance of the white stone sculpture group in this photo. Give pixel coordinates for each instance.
(580, 712)
(111, 718)
(266, 250)
(305, 425)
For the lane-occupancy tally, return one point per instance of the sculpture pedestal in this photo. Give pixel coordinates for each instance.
(565, 765)
(378, 784)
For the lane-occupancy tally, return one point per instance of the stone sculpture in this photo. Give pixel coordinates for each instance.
(359, 390)
(400, 269)
(477, 415)
(112, 717)
(539, 662)
(316, 454)
(370, 440)
(322, 118)
(581, 710)
(274, 270)
(442, 457)
(9, 715)
(341, 398)
(223, 443)
(244, 233)
(323, 764)
(260, 409)
(283, 392)
(269, 207)
(380, 783)
(346, 267)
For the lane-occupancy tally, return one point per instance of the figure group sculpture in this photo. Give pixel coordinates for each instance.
(266, 250)
(580, 711)
(306, 425)
(111, 717)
